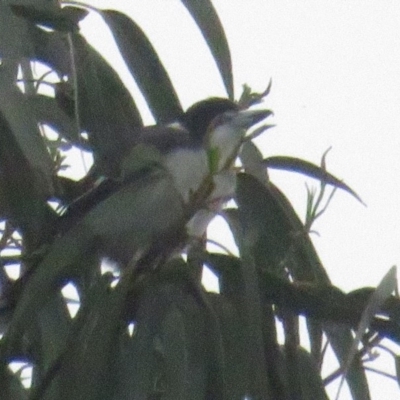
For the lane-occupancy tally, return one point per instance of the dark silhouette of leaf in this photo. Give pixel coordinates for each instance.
(312, 387)
(145, 66)
(211, 28)
(50, 48)
(263, 216)
(48, 112)
(106, 109)
(87, 367)
(61, 19)
(26, 169)
(171, 350)
(294, 164)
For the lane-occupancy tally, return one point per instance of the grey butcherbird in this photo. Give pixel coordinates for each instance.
(187, 177)
(145, 212)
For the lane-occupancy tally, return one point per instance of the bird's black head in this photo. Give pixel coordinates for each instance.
(199, 116)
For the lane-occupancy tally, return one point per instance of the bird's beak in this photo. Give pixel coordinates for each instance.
(245, 119)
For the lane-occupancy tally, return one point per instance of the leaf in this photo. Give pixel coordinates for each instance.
(23, 126)
(61, 19)
(45, 282)
(213, 32)
(312, 387)
(87, 368)
(304, 263)
(26, 176)
(229, 272)
(341, 340)
(253, 212)
(383, 291)
(294, 164)
(268, 232)
(48, 112)
(145, 66)
(11, 386)
(301, 258)
(169, 353)
(252, 161)
(106, 109)
(55, 324)
(235, 342)
(50, 48)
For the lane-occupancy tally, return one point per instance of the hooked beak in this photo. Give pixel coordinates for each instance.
(245, 119)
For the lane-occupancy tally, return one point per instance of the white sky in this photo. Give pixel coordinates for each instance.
(336, 82)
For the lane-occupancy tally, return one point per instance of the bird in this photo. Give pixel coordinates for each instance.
(190, 159)
(145, 213)
(200, 143)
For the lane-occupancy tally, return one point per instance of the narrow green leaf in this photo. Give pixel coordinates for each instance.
(383, 291)
(294, 164)
(87, 367)
(252, 161)
(234, 334)
(55, 323)
(50, 48)
(169, 354)
(312, 387)
(11, 386)
(229, 272)
(211, 28)
(48, 278)
(341, 340)
(106, 109)
(61, 19)
(269, 232)
(48, 112)
(26, 178)
(301, 258)
(23, 124)
(254, 209)
(145, 66)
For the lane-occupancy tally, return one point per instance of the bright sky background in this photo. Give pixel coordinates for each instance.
(336, 82)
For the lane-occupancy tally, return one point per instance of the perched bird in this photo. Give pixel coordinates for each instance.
(145, 213)
(176, 175)
(198, 145)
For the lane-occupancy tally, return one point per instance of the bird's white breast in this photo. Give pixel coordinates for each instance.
(188, 167)
(226, 139)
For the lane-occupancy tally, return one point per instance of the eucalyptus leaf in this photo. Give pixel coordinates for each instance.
(25, 179)
(383, 291)
(48, 112)
(145, 66)
(61, 19)
(23, 124)
(294, 164)
(312, 387)
(87, 367)
(252, 161)
(105, 107)
(11, 386)
(269, 234)
(213, 32)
